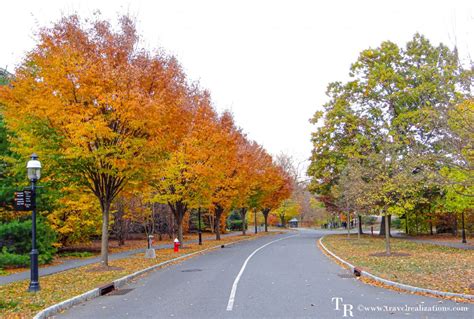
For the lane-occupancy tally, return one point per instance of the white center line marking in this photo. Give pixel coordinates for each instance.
(230, 304)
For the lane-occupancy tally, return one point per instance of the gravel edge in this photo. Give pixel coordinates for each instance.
(405, 287)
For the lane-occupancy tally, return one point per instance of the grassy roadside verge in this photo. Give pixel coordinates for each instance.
(16, 302)
(417, 264)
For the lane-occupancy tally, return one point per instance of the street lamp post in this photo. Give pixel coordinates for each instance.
(34, 173)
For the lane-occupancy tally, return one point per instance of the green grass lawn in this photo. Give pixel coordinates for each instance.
(424, 265)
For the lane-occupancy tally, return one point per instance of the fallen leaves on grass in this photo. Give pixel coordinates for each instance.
(417, 264)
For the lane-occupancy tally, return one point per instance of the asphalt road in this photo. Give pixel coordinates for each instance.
(289, 278)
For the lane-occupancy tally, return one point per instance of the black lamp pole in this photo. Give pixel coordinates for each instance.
(34, 282)
(199, 226)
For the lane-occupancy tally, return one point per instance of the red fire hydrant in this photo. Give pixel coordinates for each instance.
(176, 245)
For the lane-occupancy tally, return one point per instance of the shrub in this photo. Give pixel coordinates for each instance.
(396, 223)
(234, 225)
(15, 240)
(13, 260)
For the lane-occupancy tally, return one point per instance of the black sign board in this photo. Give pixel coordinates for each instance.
(23, 200)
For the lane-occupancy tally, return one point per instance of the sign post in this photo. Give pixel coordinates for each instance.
(23, 200)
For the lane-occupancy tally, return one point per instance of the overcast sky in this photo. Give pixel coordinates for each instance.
(269, 62)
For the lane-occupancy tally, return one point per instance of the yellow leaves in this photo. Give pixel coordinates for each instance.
(422, 265)
(77, 217)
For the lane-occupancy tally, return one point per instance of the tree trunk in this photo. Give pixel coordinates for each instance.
(243, 213)
(255, 219)
(179, 210)
(464, 241)
(406, 223)
(416, 224)
(104, 248)
(217, 221)
(265, 212)
(387, 234)
(180, 233)
(359, 219)
(348, 224)
(455, 231)
(171, 226)
(211, 223)
(119, 226)
(382, 225)
(282, 220)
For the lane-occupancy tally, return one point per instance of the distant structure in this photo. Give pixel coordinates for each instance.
(293, 223)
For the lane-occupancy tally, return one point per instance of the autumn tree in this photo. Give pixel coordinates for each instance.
(245, 177)
(183, 181)
(457, 174)
(299, 186)
(388, 117)
(286, 211)
(254, 174)
(109, 104)
(276, 188)
(224, 170)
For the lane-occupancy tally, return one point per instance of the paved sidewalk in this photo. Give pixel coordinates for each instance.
(75, 263)
(401, 235)
(458, 245)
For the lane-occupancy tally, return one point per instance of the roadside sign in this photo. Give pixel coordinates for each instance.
(23, 200)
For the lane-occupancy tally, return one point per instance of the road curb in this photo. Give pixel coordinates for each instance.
(405, 287)
(94, 293)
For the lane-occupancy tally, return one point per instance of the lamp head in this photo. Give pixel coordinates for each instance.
(34, 168)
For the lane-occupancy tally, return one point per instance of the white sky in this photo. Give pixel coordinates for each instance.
(269, 62)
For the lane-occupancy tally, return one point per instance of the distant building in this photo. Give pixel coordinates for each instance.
(293, 223)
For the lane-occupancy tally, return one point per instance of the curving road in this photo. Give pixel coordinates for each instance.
(287, 278)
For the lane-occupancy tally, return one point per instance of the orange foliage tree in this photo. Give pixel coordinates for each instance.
(111, 105)
(183, 181)
(276, 187)
(249, 170)
(224, 170)
(110, 116)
